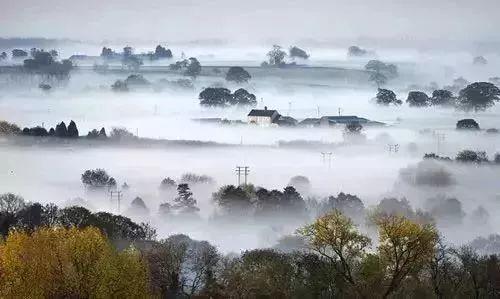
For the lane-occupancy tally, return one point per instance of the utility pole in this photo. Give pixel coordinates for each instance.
(440, 139)
(329, 154)
(393, 148)
(242, 170)
(340, 111)
(117, 195)
(289, 108)
(317, 107)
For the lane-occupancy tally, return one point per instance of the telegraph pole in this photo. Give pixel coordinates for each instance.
(440, 139)
(393, 148)
(242, 170)
(117, 195)
(329, 154)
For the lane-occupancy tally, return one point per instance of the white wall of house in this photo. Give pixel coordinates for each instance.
(260, 120)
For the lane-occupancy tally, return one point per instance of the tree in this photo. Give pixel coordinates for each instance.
(387, 97)
(162, 52)
(184, 202)
(388, 70)
(138, 206)
(467, 124)
(167, 184)
(128, 51)
(355, 51)
(234, 199)
(132, 62)
(107, 53)
(301, 184)
(296, 52)
(237, 74)
(3, 56)
(349, 205)
(276, 56)
(11, 203)
(181, 267)
(97, 178)
(17, 53)
(480, 60)
(418, 99)
(243, 98)
(404, 247)
(61, 130)
(335, 238)
(136, 80)
(442, 97)
(478, 96)
(469, 156)
(119, 86)
(215, 96)
(7, 128)
(353, 128)
(75, 264)
(72, 130)
(193, 68)
(378, 78)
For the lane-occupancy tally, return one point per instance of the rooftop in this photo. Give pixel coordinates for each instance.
(262, 112)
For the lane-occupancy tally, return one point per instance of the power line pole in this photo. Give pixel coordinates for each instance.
(440, 139)
(329, 154)
(393, 148)
(242, 170)
(117, 195)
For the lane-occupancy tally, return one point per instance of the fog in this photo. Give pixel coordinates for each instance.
(331, 82)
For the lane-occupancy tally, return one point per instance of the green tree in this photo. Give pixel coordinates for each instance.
(478, 96)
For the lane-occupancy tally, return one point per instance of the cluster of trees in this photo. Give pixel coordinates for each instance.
(248, 199)
(160, 52)
(45, 63)
(17, 214)
(277, 56)
(132, 81)
(9, 129)
(61, 131)
(467, 156)
(477, 96)
(328, 258)
(221, 97)
(189, 67)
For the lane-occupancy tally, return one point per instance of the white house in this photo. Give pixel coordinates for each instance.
(263, 117)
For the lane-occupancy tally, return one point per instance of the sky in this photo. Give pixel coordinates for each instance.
(257, 20)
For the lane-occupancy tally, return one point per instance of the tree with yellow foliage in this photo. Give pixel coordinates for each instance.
(335, 237)
(57, 262)
(405, 248)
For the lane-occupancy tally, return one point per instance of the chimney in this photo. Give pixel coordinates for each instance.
(265, 107)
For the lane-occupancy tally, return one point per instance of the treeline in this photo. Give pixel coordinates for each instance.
(467, 156)
(478, 96)
(62, 253)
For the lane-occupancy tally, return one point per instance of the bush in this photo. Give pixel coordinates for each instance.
(469, 156)
(467, 124)
(7, 128)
